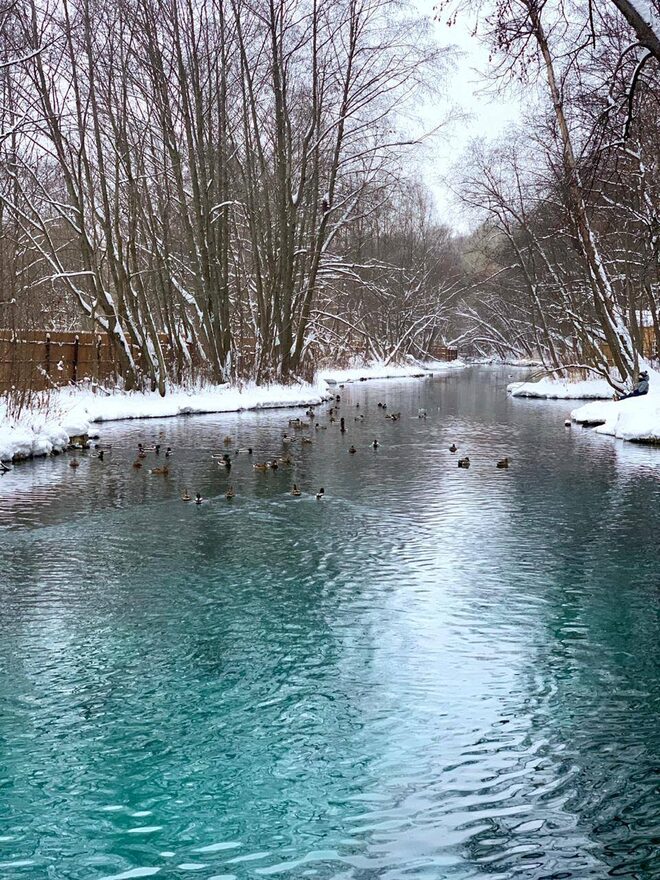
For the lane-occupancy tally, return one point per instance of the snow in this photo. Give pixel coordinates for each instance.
(71, 412)
(562, 389)
(359, 372)
(636, 419)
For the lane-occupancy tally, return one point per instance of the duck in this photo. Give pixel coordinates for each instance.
(261, 466)
(310, 413)
(186, 496)
(359, 418)
(160, 471)
(421, 413)
(453, 448)
(101, 455)
(142, 453)
(321, 427)
(74, 464)
(464, 462)
(285, 460)
(274, 464)
(230, 493)
(375, 444)
(306, 440)
(352, 450)
(137, 463)
(168, 452)
(393, 417)
(225, 461)
(503, 463)
(287, 438)
(320, 494)
(157, 448)
(342, 425)
(296, 491)
(227, 440)
(198, 498)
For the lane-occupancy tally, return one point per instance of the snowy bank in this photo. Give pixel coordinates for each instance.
(38, 433)
(360, 372)
(71, 411)
(636, 419)
(563, 389)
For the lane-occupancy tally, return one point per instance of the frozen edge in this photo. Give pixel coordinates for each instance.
(72, 412)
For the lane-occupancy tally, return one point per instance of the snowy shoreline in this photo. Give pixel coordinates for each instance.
(71, 412)
(636, 420)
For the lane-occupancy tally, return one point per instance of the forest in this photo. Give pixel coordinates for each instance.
(229, 189)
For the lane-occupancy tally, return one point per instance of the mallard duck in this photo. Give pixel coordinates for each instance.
(285, 460)
(453, 448)
(274, 464)
(137, 463)
(352, 450)
(74, 464)
(359, 418)
(320, 494)
(296, 491)
(464, 462)
(168, 452)
(142, 454)
(160, 471)
(306, 440)
(186, 496)
(321, 427)
(227, 440)
(225, 461)
(261, 466)
(375, 444)
(503, 463)
(230, 493)
(286, 439)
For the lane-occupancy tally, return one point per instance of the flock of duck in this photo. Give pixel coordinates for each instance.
(298, 431)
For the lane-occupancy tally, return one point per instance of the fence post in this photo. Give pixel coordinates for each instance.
(76, 346)
(47, 363)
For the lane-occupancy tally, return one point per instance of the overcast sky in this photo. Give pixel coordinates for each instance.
(486, 115)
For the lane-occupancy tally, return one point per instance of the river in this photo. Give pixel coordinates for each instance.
(431, 673)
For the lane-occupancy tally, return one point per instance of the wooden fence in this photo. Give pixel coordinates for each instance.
(39, 360)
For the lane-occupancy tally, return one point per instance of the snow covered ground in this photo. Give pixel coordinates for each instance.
(71, 411)
(637, 418)
(562, 389)
(362, 372)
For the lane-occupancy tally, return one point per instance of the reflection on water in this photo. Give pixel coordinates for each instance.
(432, 673)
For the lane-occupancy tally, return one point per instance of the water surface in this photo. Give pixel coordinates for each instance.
(433, 673)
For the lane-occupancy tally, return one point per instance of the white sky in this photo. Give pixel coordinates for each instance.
(486, 115)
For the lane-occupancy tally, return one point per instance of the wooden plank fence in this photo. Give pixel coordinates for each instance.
(39, 359)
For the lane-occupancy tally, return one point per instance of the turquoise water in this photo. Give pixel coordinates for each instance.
(433, 673)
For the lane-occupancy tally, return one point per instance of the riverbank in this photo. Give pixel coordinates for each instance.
(636, 419)
(562, 389)
(72, 412)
